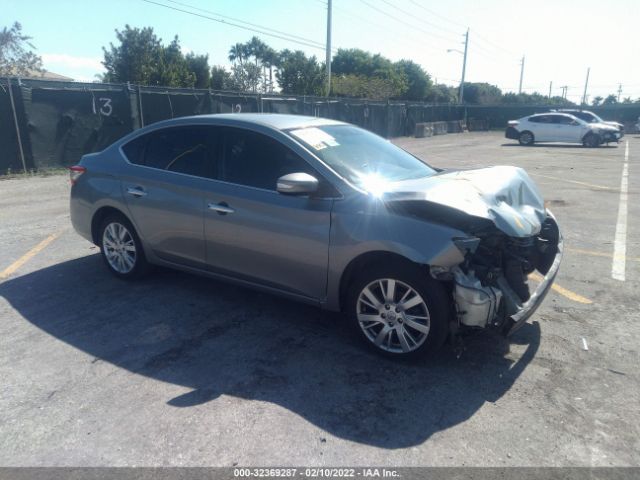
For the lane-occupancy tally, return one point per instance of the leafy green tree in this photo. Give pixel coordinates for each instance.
(597, 101)
(418, 81)
(481, 93)
(362, 86)
(173, 70)
(221, 79)
(441, 93)
(199, 66)
(299, 74)
(610, 100)
(16, 57)
(136, 57)
(359, 71)
(141, 57)
(246, 77)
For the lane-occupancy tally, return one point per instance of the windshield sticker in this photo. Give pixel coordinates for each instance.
(315, 137)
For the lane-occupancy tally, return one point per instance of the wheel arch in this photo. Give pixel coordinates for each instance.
(533, 135)
(367, 259)
(98, 218)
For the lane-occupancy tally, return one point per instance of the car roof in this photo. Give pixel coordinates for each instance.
(568, 110)
(551, 113)
(272, 120)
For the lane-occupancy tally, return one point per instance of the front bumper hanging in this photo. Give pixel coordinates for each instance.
(523, 311)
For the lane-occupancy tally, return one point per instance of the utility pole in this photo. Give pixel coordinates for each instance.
(521, 74)
(328, 57)
(464, 65)
(550, 87)
(619, 91)
(586, 84)
(564, 91)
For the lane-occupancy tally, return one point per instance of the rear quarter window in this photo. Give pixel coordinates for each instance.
(134, 150)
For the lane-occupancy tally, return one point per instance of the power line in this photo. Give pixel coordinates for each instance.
(320, 44)
(394, 38)
(477, 48)
(404, 22)
(422, 20)
(476, 34)
(262, 30)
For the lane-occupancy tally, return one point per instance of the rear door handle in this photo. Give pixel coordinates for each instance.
(136, 191)
(222, 208)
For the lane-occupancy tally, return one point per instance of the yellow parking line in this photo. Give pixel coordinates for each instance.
(563, 291)
(584, 184)
(29, 255)
(598, 254)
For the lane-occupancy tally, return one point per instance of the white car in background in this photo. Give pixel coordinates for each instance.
(560, 127)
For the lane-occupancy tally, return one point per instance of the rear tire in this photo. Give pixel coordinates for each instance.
(398, 310)
(121, 248)
(526, 138)
(591, 140)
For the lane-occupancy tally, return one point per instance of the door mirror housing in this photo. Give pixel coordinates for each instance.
(297, 184)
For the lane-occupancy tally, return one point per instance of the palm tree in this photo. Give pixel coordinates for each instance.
(270, 59)
(256, 48)
(237, 52)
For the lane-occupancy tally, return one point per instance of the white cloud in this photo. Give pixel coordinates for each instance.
(53, 60)
(81, 69)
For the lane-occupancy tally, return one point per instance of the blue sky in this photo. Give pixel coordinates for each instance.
(560, 38)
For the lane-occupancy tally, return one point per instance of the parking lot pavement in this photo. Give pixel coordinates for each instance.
(182, 370)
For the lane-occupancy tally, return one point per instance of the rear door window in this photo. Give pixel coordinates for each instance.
(189, 150)
(562, 120)
(540, 119)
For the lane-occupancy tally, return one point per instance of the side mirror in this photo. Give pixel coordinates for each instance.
(297, 184)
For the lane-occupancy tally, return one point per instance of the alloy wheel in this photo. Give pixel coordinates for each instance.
(119, 248)
(393, 315)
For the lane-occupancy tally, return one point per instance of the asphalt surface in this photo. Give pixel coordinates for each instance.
(182, 370)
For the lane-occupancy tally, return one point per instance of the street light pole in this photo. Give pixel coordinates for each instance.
(521, 74)
(586, 84)
(464, 65)
(328, 56)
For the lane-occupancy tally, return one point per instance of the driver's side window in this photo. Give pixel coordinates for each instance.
(256, 160)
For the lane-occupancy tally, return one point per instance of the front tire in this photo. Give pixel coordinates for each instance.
(526, 138)
(591, 140)
(121, 248)
(399, 310)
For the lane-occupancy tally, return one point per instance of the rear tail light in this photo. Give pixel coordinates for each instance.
(75, 172)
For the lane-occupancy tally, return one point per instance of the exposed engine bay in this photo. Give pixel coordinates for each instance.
(492, 285)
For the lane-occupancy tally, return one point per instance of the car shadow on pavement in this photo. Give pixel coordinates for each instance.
(221, 339)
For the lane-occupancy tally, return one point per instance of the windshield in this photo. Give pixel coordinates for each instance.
(361, 157)
(588, 117)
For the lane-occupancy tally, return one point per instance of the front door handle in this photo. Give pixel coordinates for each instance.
(222, 208)
(136, 191)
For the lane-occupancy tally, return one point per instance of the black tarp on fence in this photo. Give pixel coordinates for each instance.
(61, 121)
(10, 158)
(65, 123)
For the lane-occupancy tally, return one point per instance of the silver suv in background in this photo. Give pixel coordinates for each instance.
(591, 117)
(560, 127)
(326, 213)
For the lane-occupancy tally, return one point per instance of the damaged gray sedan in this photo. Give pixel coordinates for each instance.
(326, 213)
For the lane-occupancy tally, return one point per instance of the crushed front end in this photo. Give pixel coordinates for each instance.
(491, 287)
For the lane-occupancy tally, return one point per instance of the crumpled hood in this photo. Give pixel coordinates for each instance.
(504, 195)
(606, 126)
